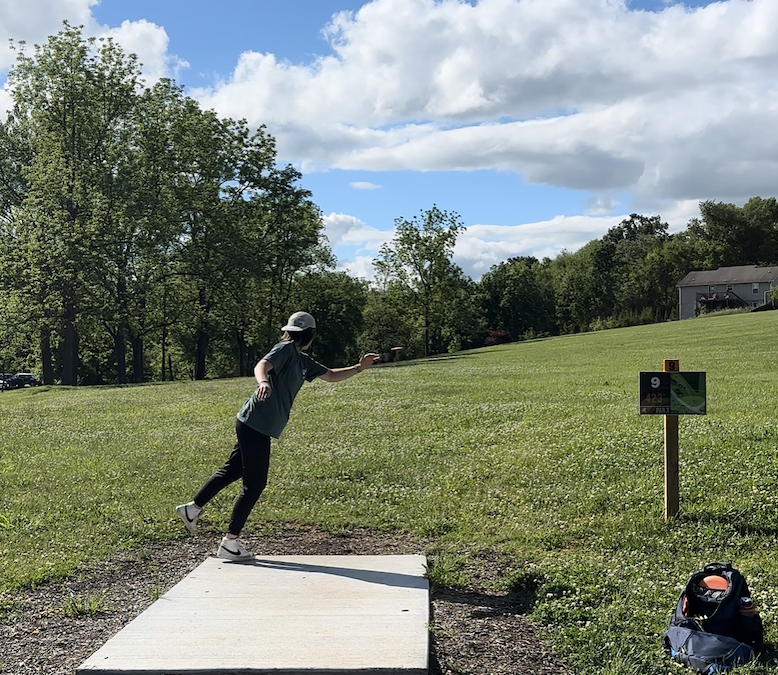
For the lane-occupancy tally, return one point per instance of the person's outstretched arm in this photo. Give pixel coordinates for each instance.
(340, 374)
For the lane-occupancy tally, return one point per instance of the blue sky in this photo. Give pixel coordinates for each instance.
(542, 123)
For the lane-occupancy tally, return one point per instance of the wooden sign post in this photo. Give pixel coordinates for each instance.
(671, 452)
(672, 393)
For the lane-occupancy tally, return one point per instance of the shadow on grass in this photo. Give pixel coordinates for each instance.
(741, 523)
(513, 602)
(768, 656)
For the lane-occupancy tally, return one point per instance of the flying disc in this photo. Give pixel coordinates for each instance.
(715, 583)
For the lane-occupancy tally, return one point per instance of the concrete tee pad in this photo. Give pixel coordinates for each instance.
(307, 615)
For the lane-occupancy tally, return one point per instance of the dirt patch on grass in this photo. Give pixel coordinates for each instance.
(54, 628)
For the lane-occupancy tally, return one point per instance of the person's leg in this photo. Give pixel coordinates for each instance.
(231, 471)
(228, 473)
(255, 457)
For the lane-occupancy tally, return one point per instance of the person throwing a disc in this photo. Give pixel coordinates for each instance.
(280, 375)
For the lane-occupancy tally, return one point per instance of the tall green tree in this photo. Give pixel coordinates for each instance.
(632, 247)
(276, 238)
(208, 163)
(22, 290)
(72, 99)
(581, 287)
(131, 217)
(284, 233)
(148, 298)
(247, 230)
(419, 258)
(613, 281)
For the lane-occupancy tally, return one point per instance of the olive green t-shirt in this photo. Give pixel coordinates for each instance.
(291, 369)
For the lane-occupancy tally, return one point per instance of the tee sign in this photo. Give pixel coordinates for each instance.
(664, 393)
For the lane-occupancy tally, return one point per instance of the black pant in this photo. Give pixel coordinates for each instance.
(250, 459)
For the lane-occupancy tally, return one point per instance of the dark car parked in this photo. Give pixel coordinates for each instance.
(21, 380)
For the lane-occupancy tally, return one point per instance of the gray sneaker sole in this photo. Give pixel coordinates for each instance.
(224, 554)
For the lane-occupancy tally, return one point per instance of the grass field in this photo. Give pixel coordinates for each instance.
(535, 451)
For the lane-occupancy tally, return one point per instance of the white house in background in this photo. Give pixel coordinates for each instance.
(744, 286)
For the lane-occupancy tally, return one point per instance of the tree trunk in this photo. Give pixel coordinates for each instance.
(202, 351)
(46, 359)
(120, 349)
(242, 354)
(426, 331)
(69, 342)
(120, 344)
(202, 336)
(137, 359)
(164, 328)
(164, 351)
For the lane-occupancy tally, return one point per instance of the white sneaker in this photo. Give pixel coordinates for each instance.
(231, 549)
(189, 513)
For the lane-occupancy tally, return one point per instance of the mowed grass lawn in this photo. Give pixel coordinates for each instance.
(532, 451)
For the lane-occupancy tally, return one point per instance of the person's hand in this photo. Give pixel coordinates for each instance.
(264, 390)
(368, 360)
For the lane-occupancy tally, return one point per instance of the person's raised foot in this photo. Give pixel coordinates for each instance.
(189, 513)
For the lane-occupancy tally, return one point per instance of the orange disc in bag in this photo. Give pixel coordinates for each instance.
(715, 582)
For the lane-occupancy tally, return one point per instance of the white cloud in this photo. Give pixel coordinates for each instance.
(360, 267)
(599, 206)
(150, 43)
(481, 246)
(365, 185)
(33, 21)
(343, 230)
(584, 94)
(357, 243)
(677, 214)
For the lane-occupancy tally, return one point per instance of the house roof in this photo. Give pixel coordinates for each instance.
(745, 274)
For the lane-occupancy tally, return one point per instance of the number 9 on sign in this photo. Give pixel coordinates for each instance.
(655, 393)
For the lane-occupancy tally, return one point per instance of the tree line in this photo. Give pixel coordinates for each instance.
(143, 238)
(627, 277)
